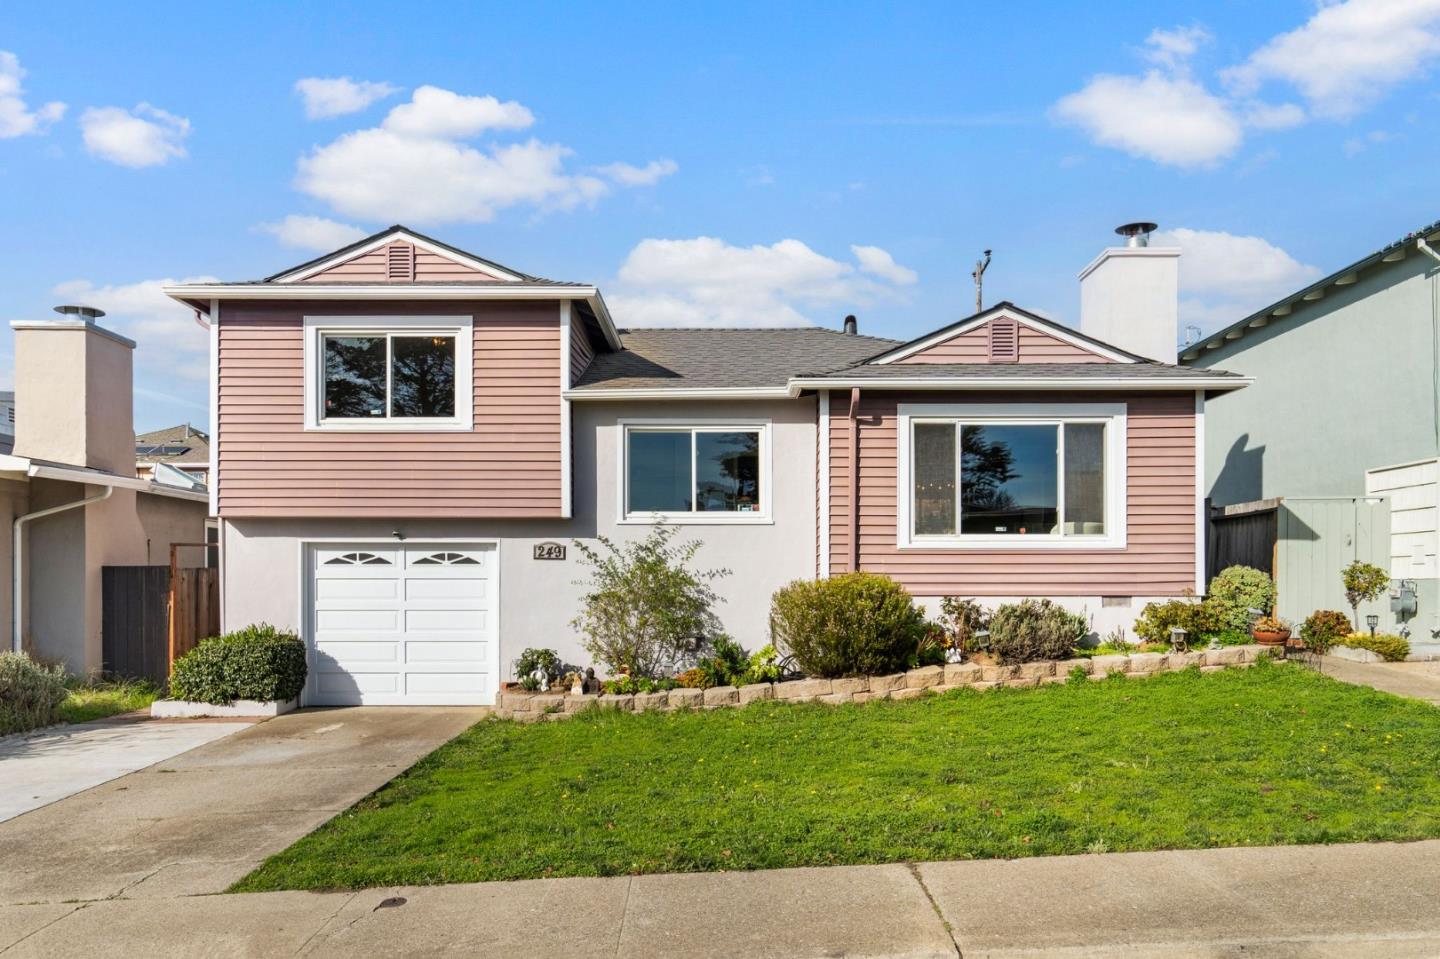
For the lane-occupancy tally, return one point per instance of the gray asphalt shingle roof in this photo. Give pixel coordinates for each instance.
(721, 358)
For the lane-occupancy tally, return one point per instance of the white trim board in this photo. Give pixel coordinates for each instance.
(460, 327)
(1202, 524)
(823, 465)
(1116, 490)
(900, 353)
(1028, 384)
(566, 493)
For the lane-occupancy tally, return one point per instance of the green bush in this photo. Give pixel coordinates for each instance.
(1392, 649)
(1363, 583)
(1236, 591)
(1035, 629)
(962, 620)
(855, 624)
(258, 662)
(646, 612)
(30, 694)
(726, 665)
(1196, 618)
(1322, 628)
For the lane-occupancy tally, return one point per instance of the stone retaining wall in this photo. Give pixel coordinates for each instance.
(530, 707)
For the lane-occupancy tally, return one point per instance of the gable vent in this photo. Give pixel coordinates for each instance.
(1004, 340)
(400, 263)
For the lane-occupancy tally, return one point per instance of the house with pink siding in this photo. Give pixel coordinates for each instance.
(408, 437)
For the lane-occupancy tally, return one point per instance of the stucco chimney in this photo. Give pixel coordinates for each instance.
(1130, 296)
(73, 392)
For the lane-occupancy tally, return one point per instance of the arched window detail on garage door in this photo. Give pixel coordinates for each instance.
(447, 559)
(357, 559)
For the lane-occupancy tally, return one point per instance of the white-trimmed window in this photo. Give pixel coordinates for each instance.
(1011, 476)
(389, 373)
(694, 472)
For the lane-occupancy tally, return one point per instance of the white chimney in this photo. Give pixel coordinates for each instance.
(1130, 296)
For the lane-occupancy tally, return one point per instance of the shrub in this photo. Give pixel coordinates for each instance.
(1236, 591)
(30, 694)
(1035, 629)
(726, 665)
(855, 624)
(258, 662)
(1392, 649)
(930, 651)
(1322, 628)
(645, 610)
(962, 619)
(629, 685)
(764, 667)
(535, 660)
(1157, 619)
(691, 679)
(1363, 583)
(1270, 624)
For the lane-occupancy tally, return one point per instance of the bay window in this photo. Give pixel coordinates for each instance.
(699, 473)
(1017, 475)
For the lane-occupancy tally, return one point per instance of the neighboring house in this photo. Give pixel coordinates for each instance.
(69, 494)
(1345, 403)
(408, 436)
(7, 421)
(183, 448)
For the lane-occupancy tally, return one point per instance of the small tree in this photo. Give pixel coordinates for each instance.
(1363, 583)
(645, 610)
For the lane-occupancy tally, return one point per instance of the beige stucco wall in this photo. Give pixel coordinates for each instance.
(263, 573)
(73, 400)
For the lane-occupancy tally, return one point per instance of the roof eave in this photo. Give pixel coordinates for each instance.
(1111, 384)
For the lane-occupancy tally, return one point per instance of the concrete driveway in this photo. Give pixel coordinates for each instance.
(197, 822)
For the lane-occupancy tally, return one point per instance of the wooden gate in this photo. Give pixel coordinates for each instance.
(135, 617)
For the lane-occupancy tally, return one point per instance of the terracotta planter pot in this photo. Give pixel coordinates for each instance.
(1270, 639)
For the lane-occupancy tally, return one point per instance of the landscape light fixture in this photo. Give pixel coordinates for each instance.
(1372, 621)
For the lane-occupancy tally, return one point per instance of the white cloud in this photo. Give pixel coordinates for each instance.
(166, 335)
(1358, 145)
(1167, 118)
(1173, 49)
(707, 282)
(312, 232)
(878, 262)
(336, 96)
(651, 173)
(416, 166)
(1347, 55)
(16, 117)
(1272, 116)
(1224, 277)
(145, 136)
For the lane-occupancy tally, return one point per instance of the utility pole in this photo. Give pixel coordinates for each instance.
(979, 276)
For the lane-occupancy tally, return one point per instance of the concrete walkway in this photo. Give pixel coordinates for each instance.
(1377, 900)
(42, 767)
(1414, 680)
(198, 821)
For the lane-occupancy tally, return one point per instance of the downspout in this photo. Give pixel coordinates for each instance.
(855, 479)
(1425, 248)
(17, 563)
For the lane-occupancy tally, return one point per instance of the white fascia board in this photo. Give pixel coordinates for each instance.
(940, 336)
(602, 313)
(718, 393)
(378, 291)
(1018, 383)
(93, 478)
(386, 239)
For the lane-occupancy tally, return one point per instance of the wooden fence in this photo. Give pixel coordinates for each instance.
(135, 617)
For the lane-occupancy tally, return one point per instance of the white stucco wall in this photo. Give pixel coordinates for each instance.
(262, 558)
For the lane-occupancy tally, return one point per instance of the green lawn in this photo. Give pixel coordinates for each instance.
(96, 700)
(1271, 754)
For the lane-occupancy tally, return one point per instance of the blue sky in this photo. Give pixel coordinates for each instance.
(731, 164)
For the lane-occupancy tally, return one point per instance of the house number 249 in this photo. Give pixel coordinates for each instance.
(549, 551)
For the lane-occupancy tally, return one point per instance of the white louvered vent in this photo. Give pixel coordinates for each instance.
(1004, 340)
(400, 263)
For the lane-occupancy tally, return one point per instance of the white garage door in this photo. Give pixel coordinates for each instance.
(403, 625)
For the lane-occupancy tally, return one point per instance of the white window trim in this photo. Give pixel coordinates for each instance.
(1116, 520)
(764, 517)
(460, 327)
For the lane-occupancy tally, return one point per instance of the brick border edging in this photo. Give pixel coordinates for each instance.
(531, 707)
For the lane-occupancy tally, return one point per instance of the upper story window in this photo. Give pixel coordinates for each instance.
(1012, 476)
(695, 473)
(388, 373)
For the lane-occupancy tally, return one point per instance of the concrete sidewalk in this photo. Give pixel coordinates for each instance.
(1413, 680)
(1370, 900)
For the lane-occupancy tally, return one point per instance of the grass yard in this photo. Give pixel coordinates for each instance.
(96, 700)
(1267, 755)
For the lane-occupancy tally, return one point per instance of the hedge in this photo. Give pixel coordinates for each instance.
(258, 662)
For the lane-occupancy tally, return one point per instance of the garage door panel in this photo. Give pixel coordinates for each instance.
(369, 620)
(380, 590)
(397, 625)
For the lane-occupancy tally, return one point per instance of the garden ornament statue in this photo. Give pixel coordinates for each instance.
(543, 678)
(1178, 639)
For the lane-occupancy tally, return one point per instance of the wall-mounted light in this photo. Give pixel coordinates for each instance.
(399, 536)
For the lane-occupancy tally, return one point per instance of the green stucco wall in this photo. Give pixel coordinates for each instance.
(1344, 384)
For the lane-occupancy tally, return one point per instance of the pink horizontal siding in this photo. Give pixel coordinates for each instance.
(581, 352)
(1036, 346)
(371, 268)
(1159, 557)
(508, 466)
